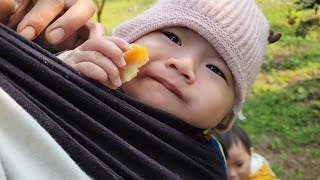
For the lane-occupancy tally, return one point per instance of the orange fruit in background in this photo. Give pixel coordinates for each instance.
(291, 21)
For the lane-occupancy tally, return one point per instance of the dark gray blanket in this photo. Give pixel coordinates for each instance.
(108, 134)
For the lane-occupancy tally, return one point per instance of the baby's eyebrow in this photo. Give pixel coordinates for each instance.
(218, 58)
(216, 53)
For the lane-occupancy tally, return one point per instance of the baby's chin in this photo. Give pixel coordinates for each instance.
(158, 99)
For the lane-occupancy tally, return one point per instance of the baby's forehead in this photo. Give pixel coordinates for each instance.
(237, 143)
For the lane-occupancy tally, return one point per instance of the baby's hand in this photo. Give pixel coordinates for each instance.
(100, 59)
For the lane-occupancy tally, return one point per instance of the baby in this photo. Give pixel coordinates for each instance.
(242, 162)
(204, 56)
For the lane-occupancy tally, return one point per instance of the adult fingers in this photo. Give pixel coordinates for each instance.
(95, 29)
(21, 9)
(90, 30)
(74, 18)
(38, 18)
(7, 8)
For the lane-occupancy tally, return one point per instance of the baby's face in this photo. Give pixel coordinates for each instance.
(238, 162)
(185, 77)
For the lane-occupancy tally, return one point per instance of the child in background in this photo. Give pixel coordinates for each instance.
(242, 162)
(204, 57)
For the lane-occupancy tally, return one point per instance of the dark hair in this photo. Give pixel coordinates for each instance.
(234, 136)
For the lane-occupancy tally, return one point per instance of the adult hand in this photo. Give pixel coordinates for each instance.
(31, 17)
(89, 30)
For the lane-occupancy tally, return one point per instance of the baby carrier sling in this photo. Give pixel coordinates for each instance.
(107, 133)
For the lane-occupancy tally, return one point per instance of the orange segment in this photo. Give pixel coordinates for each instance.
(136, 54)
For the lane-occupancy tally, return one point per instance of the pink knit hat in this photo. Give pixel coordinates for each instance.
(237, 29)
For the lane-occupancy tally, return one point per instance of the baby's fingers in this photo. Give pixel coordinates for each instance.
(92, 71)
(112, 48)
(121, 43)
(95, 66)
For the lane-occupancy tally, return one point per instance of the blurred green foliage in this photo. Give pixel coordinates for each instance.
(308, 4)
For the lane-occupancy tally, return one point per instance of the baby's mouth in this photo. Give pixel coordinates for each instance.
(170, 86)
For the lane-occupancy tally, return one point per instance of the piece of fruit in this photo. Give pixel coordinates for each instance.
(135, 58)
(291, 21)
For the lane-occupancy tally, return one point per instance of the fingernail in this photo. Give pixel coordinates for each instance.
(28, 32)
(56, 35)
(122, 62)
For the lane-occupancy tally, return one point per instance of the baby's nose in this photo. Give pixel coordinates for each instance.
(184, 67)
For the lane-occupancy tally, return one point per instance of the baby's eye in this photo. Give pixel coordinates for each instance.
(215, 70)
(239, 165)
(174, 38)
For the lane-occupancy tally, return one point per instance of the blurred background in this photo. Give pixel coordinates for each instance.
(283, 108)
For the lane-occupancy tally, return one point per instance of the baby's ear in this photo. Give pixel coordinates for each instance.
(251, 150)
(225, 124)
